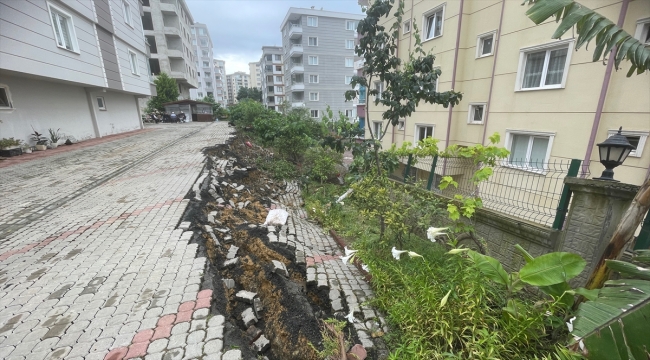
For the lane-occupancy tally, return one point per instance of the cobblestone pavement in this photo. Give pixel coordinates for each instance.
(92, 265)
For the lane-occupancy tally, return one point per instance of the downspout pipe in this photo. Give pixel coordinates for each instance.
(494, 67)
(603, 95)
(453, 75)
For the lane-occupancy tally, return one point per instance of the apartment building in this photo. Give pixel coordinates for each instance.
(256, 74)
(272, 86)
(221, 91)
(546, 100)
(319, 59)
(234, 82)
(202, 50)
(167, 28)
(77, 66)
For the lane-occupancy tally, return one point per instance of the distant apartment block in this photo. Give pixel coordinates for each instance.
(256, 74)
(272, 76)
(236, 81)
(76, 65)
(166, 25)
(319, 59)
(220, 89)
(202, 50)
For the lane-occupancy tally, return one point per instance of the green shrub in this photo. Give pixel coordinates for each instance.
(320, 163)
(244, 113)
(279, 169)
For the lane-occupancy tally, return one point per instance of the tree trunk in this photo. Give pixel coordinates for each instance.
(623, 234)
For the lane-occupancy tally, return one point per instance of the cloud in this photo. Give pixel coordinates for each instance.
(239, 28)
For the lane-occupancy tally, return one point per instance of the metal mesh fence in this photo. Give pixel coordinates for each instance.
(529, 191)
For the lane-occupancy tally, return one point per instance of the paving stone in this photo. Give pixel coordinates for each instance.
(261, 344)
(214, 332)
(245, 296)
(248, 317)
(217, 320)
(212, 347)
(230, 263)
(194, 350)
(178, 340)
(232, 355)
(157, 346)
(201, 313)
(181, 328)
(174, 354)
(196, 337)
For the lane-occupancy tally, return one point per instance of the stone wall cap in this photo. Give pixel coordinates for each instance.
(609, 188)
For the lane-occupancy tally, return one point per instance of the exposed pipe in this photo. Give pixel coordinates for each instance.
(603, 95)
(453, 75)
(494, 66)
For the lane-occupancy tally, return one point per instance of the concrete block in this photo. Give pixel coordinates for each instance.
(185, 225)
(248, 317)
(261, 344)
(229, 283)
(257, 307)
(279, 268)
(245, 296)
(231, 262)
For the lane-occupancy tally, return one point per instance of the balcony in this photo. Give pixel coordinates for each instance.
(169, 8)
(298, 103)
(296, 49)
(172, 30)
(173, 53)
(297, 68)
(295, 31)
(298, 87)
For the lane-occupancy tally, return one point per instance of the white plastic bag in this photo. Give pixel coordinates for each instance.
(276, 217)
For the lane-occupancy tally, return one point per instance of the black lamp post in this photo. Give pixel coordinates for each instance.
(613, 152)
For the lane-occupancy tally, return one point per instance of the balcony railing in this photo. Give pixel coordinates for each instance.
(295, 49)
(295, 31)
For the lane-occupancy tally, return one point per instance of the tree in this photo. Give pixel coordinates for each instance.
(249, 93)
(406, 83)
(590, 25)
(167, 91)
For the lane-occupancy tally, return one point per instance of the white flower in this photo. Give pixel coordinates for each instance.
(365, 268)
(582, 345)
(433, 232)
(412, 254)
(349, 254)
(396, 253)
(570, 324)
(351, 317)
(348, 251)
(347, 258)
(342, 203)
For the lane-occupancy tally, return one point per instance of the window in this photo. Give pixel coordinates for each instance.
(127, 13)
(101, 104)
(351, 25)
(348, 80)
(485, 45)
(349, 62)
(348, 113)
(278, 57)
(406, 27)
(193, 30)
(63, 28)
(313, 41)
(313, 96)
(642, 32)
(206, 64)
(207, 74)
(476, 113)
(312, 21)
(423, 131)
(349, 44)
(204, 52)
(201, 31)
(278, 79)
(200, 94)
(204, 42)
(314, 113)
(400, 125)
(376, 129)
(268, 67)
(529, 150)
(380, 88)
(269, 57)
(278, 89)
(636, 139)
(5, 98)
(313, 60)
(313, 79)
(133, 59)
(433, 23)
(544, 67)
(278, 68)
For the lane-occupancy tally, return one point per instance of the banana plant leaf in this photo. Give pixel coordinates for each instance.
(553, 268)
(590, 25)
(490, 267)
(629, 269)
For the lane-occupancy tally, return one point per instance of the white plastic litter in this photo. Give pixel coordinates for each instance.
(342, 197)
(276, 217)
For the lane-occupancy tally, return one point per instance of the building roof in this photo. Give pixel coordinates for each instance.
(187, 102)
(315, 12)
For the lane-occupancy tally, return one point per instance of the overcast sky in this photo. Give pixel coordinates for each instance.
(239, 28)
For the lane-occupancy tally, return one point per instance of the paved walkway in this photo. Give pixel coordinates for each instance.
(91, 263)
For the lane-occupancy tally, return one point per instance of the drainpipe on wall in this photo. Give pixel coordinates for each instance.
(603, 94)
(494, 66)
(453, 75)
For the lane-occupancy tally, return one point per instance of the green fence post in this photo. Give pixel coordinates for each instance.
(408, 168)
(643, 240)
(563, 205)
(433, 172)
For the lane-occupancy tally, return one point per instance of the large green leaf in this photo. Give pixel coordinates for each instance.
(629, 269)
(490, 267)
(642, 256)
(551, 269)
(590, 25)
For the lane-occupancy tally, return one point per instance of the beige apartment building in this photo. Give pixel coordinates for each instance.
(548, 102)
(234, 82)
(255, 71)
(272, 77)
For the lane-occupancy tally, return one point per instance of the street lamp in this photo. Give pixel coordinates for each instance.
(613, 152)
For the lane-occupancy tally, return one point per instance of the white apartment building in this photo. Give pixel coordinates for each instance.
(272, 77)
(220, 89)
(166, 26)
(256, 74)
(319, 59)
(76, 65)
(236, 81)
(202, 49)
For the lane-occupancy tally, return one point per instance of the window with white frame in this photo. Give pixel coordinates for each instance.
(204, 42)
(379, 86)
(476, 113)
(278, 79)
(312, 21)
(206, 64)
(201, 31)
(133, 60)
(193, 41)
(101, 104)
(423, 131)
(278, 57)
(313, 60)
(313, 41)
(350, 25)
(406, 28)
(349, 44)
(63, 28)
(635, 138)
(349, 62)
(313, 113)
(642, 32)
(313, 96)
(348, 114)
(529, 150)
(376, 129)
(485, 44)
(433, 23)
(348, 79)
(5, 98)
(544, 67)
(313, 79)
(127, 13)
(401, 125)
